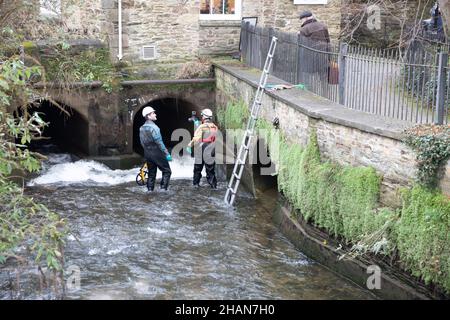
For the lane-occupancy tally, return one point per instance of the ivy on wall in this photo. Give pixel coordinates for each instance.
(432, 144)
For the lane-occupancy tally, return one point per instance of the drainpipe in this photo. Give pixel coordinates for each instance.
(119, 3)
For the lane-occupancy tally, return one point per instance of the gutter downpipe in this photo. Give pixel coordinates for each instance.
(119, 3)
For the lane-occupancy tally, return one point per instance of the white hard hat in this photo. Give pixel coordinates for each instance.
(207, 113)
(147, 110)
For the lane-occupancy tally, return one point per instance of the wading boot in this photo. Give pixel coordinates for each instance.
(165, 181)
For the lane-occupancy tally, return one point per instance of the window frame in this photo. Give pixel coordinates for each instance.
(236, 16)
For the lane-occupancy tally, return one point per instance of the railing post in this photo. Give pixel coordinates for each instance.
(441, 84)
(298, 60)
(343, 49)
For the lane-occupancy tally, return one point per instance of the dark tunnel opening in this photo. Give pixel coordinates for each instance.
(63, 133)
(171, 114)
(264, 173)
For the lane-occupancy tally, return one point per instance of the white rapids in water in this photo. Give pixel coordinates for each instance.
(60, 169)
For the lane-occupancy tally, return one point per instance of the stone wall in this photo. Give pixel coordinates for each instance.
(345, 136)
(76, 19)
(219, 37)
(110, 116)
(178, 33)
(173, 26)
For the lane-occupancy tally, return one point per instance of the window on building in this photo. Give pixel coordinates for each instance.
(220, 9)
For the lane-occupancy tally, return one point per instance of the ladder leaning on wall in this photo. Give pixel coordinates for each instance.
(249, 132)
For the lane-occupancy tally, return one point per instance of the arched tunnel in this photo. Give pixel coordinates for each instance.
(172, 114)
(65, 132)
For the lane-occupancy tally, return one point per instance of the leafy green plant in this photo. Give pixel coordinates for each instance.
(432, 144)
(234, 115)
(23, 223)
(66, 67)
(423, 235)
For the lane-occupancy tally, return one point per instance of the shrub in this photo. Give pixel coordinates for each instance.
(23, 222)
(423, 235)
(201, 68)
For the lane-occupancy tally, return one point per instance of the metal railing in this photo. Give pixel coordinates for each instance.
(411, 85)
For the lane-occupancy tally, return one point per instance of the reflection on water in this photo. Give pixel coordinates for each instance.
(180, 244)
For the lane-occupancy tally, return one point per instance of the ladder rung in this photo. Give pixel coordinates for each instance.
(236, 176)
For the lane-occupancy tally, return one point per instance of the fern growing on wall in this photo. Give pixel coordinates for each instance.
(344, 201)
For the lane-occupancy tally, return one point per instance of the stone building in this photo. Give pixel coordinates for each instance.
(176, 30)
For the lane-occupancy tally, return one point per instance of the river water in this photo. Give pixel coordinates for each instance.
(184, 243)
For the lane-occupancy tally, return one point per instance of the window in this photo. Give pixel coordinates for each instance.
(220, 9)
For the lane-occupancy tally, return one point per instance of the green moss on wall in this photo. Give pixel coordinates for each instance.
(233, 116)
(343, 200)
(423, 235)
(340, 199)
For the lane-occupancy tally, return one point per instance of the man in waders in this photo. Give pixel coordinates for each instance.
(155, 152)
(204, 152)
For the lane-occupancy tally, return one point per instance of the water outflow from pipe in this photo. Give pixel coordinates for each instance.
(184, 243)
(60, 170)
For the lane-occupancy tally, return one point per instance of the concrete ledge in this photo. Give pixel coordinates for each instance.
(318, 246)
(80, 43)
(320, 108)
(79, 84)
(167, 82)
(123, 161)
(220, 23)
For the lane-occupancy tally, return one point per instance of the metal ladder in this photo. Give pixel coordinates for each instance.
(249, 132)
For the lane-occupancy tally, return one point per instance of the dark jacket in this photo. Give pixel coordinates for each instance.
(315, 30)
(314, 34)
(151, 139)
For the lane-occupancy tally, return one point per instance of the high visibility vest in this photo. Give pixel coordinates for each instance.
(212, 131)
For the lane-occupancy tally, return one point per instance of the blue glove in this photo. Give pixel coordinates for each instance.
(169, 157)
(189, 149)
(196, 123)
